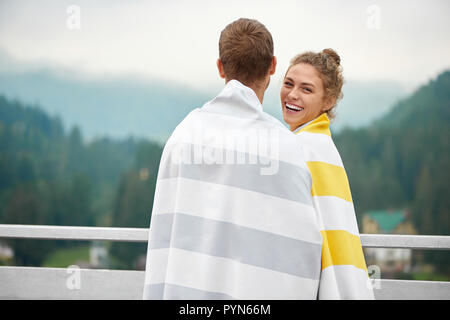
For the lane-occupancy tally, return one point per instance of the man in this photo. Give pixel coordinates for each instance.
(232, 216)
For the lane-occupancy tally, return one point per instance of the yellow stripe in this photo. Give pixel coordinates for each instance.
(329, 180)
(342, 248)
(320, 125)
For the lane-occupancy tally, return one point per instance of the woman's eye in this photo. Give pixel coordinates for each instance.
(307, 89)
(287, 83)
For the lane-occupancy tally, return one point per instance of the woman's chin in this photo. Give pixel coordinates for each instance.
(293, 123)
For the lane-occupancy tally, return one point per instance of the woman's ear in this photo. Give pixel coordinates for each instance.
(329, 103)
(220, 68)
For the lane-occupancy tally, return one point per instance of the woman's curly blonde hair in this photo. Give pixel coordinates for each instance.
(327, 63)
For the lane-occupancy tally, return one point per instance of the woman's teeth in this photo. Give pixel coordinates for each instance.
(293, 108)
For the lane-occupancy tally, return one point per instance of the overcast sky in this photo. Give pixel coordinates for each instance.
(403, 41)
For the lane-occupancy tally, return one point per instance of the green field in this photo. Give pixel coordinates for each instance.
(65, 257)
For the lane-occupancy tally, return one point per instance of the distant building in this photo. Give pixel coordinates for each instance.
(6, 252)
(98, 255)
(389, 260)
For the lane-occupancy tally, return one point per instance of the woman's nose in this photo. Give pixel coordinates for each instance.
(293, 95)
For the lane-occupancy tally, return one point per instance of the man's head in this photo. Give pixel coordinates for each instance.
(246, 53)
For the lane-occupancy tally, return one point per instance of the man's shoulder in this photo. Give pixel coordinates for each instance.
(184, 125)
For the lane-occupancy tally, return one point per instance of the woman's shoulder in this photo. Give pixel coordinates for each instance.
(319, 147)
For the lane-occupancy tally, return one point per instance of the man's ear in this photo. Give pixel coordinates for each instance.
(273, 65)
(220, 68)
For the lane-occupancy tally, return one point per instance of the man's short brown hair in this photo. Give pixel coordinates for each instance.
(246, 50)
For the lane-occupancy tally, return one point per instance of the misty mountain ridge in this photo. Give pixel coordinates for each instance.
(122, 106)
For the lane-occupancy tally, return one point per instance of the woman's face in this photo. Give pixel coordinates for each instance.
(302, 95)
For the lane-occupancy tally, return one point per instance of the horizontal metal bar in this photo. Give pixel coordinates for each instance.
(73, 233)
(52, 283)
(387, 289)
(405, 241)
(141, 235)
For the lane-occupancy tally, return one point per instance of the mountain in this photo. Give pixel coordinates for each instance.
(121, 106)
(28, 135)
(428, 106)
(51, 177)
(402, 160)
(116, 107)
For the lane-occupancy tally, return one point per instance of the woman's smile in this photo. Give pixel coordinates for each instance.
(293, 107)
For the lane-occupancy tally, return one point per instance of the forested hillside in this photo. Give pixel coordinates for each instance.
(50, 177)
(403, 159)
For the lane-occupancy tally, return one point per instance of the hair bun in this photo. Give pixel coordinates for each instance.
(333, 55)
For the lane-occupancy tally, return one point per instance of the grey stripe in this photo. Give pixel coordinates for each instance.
(168, 291)
(228, 240)
(289, 182)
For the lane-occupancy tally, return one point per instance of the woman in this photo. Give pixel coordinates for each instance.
(311, 88)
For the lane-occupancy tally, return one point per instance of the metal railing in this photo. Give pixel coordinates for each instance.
(51, 283)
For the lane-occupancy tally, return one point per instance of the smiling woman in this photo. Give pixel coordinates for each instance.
(312, 86)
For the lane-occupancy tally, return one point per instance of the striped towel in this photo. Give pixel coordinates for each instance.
(233, 216)
(344, 272)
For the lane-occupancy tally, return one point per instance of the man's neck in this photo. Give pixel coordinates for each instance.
(259, 90)
(258, 87)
